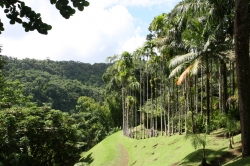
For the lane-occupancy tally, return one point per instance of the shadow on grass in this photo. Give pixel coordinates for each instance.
(240, 161)
(214, 158)
(88, 160)
(225, 156)
(195, 157)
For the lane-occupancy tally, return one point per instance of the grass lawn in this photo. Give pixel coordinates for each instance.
(117, 150)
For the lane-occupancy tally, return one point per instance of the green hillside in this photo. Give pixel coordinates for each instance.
(170, 151)
(57, 83)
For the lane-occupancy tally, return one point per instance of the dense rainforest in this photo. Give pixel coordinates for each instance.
(57, 83)
(50, 111)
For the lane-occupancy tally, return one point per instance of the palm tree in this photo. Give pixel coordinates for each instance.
(124, 66)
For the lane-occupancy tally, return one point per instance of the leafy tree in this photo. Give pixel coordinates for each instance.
(93, 121)
(18, 12)
(12, 94)
(38, 136)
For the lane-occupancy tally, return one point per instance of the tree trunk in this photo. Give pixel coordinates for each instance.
(241, 36)
(202, 93)
(151, 112)
(225, 92)
(141, 90)
(219, 83)
(164, 109)
(233, 82)
(186, 105)
(123, 113)
(169, 108)
(208, 96)
(172, 106)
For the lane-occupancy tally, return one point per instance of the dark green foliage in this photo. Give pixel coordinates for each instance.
(38, 136)
(93, 119)
(218, 120)
(59, 83)
(17, 12)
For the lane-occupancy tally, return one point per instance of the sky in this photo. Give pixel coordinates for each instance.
(105, 28)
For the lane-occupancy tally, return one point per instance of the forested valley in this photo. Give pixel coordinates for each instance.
(51, 110)
(57, 83)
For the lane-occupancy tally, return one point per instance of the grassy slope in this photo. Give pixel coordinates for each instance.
(174, 150)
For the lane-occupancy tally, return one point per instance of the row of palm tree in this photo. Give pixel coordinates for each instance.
(183, 76)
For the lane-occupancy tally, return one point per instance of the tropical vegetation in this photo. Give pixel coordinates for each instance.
(191, 77)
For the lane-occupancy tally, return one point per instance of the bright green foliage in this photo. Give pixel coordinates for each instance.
(86, 104)
(94, 121)
(12, 94)
(18, 12)
(38, 136)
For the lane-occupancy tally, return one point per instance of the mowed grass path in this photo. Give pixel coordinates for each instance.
(117, 150)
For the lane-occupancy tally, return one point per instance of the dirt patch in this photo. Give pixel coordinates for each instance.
(178, 147)
(174, 141)
(122, 158)
(133, 163)
(175, 164)
(155, 146)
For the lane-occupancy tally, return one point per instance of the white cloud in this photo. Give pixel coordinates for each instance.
(143, 3)
(103, 29)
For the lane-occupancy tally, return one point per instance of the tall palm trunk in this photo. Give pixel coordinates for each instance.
(127, 115)
(211, 86)
(219, 84)
(241, 36)
(146, 107)
(151, 111)
(156, 103)
(208, 96)
(233, 79)
(123, 113)
(169, 108)
(196, 93)
(225, 92)
(172, 106)
(201, 91)
(186, 104)
(141, 98)
(178, 110)
(161, 103)
(164, 109)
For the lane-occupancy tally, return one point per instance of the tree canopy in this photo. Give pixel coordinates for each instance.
(18, 12)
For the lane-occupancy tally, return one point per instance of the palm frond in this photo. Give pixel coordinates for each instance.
(182, 58)
(186, 7)
(182, 77)
(196, 66)
(177, 70)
